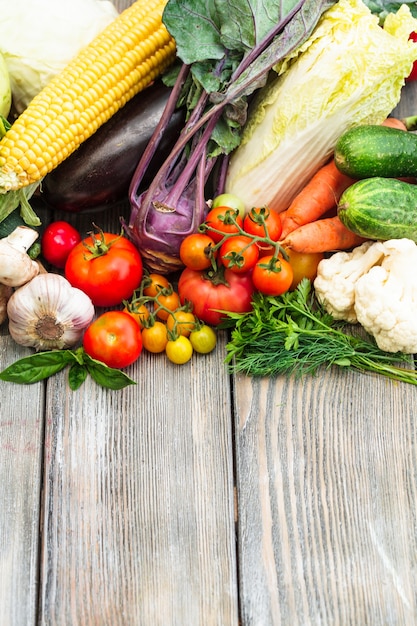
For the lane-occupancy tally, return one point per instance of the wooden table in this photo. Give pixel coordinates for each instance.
(198, 499)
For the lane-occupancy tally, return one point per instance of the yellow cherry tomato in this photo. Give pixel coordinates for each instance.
(203, 339)
(155, 338)
(181, 322)
(179, 350)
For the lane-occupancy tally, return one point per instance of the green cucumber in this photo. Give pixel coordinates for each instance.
(366, 151)
(380, 208)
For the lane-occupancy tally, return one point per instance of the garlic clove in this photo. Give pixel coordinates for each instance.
(47, 313)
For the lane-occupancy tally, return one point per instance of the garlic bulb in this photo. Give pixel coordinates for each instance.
(48, 313)
(5, 295)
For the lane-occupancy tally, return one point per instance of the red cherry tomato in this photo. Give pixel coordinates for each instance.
(272, 275)
(57, 241)
(195, 251)
(239, 253)
(114, 338)
(107, 267)
(224, 220)
(256, 220)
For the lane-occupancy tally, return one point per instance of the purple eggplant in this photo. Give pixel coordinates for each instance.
(98, 174)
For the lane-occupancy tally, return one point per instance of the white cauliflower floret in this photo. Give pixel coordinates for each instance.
(386, 298)
(338, 275)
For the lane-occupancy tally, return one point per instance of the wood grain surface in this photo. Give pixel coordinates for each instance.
(326, 472)
(193, 498)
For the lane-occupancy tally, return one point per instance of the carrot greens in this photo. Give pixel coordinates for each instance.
(292, 334)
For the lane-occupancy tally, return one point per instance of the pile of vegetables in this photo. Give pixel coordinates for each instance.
(278, 205)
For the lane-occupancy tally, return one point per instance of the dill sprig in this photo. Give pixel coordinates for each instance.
(293, 334)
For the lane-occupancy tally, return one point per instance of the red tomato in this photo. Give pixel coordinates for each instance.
(113, 338)
(239, 253)
(108, 268)
(57, 241)
(223, 219)
(413, 73)
(195, 251)
(256, 220)
(272, 276)
(208, 297)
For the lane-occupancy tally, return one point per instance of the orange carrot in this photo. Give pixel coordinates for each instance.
(319, 195)
(393, 122)
(325, 235)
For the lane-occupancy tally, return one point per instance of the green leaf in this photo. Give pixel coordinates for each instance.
(77, 375)
(244, 24)
(195, 26)
(36, 367)
(298, 29)
(105, 376)
(382, 8)
(10, 200)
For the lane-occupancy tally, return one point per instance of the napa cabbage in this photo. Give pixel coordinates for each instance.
(38, 38)
(349, 72)
(5, 91)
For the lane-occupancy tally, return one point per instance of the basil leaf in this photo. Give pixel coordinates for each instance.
(36, 367)
(76, 376)
(105, 376)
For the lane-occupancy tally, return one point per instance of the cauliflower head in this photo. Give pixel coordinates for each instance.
(386, 298)
(337, 277)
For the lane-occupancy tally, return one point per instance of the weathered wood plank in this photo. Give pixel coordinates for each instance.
(138, 502)
(21, 454)
(327, 483)
(326, 477)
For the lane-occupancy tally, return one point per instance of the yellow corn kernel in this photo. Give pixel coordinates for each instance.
(121, 61)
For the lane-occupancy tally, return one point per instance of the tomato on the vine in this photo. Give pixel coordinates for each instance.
(272, 275)
(239, 253)
(155, 283)
(113, 338)
(57, 241)
(213, 293)
(223, 219)
(196, 251)
(179, 350)
(139, 312)
(155, 337)
(203, 339)
(107, 267)
(260, 217)
(181, 322)
(166, 303)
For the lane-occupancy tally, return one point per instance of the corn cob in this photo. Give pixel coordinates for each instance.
(121, 61)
